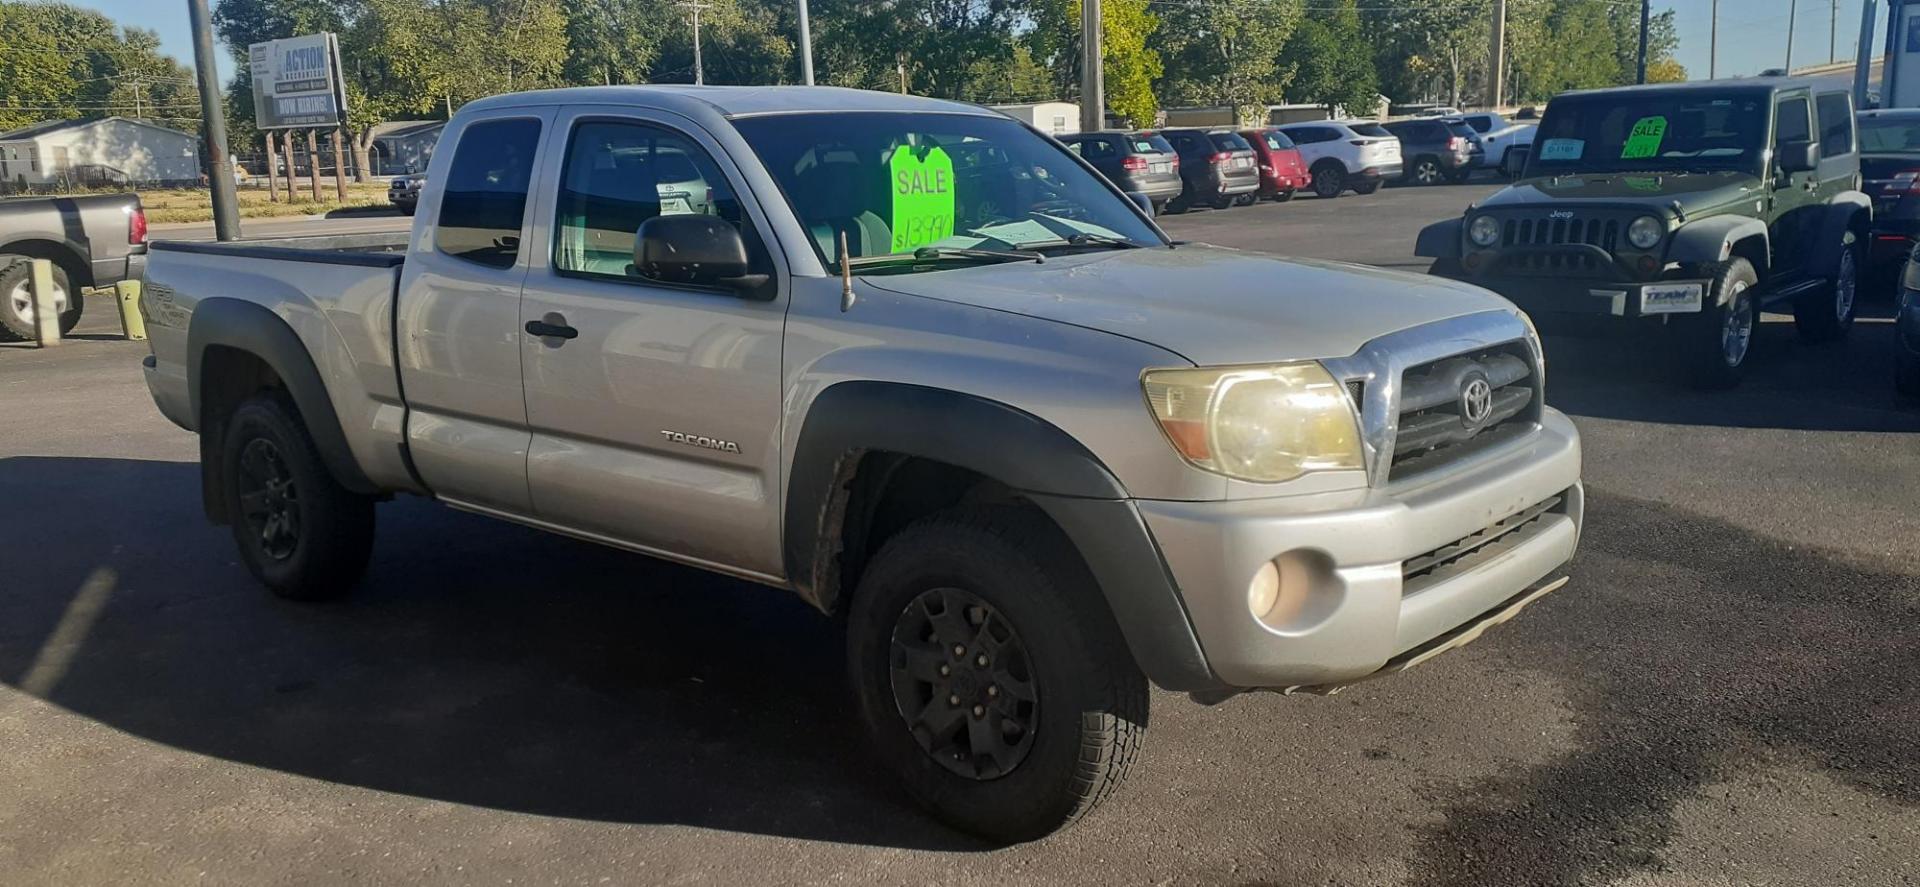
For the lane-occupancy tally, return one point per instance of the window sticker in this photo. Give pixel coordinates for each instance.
(1644, 141)
(1563, 149)
(923, 196)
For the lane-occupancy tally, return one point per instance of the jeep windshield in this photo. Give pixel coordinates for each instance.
(1643, 132)
(949, 189)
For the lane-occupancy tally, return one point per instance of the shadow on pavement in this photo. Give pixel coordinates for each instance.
(1844, 386)
(479, 663)
(1821, 664)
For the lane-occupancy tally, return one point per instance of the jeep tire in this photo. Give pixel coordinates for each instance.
(1715, 346)
(1825, 313)
(990, 676)
(300, 533)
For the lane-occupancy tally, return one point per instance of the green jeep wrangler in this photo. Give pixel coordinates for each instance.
(1693, 206)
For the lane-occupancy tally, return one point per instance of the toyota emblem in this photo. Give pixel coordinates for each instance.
(1476, 401)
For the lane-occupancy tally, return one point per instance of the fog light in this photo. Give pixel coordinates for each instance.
(1472, 262)
(1264, 591)
(1648, 265)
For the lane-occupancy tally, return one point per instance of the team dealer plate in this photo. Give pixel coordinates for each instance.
(1671, 298)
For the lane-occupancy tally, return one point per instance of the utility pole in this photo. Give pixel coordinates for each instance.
(1093, 84)
(900, 65)
(1793, 16)
(1833, 29)
(806, 47)
(1646, 13)
(1497, 57)
(699, 74)
(226, 204)
(1713, 43)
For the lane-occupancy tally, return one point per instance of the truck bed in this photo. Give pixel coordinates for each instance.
(385, 250)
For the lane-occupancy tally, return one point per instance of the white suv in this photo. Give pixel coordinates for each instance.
(1343, 155)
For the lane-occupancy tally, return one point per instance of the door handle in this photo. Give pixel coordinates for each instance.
(553, 326)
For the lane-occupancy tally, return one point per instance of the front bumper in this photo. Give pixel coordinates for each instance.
(1358, 615)
(1543, 295)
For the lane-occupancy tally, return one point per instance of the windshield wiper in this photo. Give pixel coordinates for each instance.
(1081, 238)
(948, 254)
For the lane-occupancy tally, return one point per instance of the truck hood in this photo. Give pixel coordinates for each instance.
(1209, 304)
(1697, 193)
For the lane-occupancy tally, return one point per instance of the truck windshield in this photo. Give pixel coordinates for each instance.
(897, 183)
(1636, 132)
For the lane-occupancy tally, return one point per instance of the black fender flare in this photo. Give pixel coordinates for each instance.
(1033, 457)
(1712, 240)
(1848, 210)
(1440, 240)
(252, 328)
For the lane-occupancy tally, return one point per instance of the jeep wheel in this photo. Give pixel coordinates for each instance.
(300, 533)
(16, 300)
(1329, 179)
(990, 676)
(1426, 171)
(1716, 344)
(1825, 313)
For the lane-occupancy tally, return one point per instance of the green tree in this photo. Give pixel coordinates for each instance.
(1332, 62)
(61, 62)
(1129, 65)
(1219, 54)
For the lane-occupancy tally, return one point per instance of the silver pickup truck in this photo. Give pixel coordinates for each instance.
(95, 240)
(916, 363)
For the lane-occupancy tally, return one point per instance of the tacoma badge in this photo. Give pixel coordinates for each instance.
(694, 440)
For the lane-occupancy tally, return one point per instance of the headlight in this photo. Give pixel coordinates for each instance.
(1261, 424)
(1645, 232)
(1485, 231)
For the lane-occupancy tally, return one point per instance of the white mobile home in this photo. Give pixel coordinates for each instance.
(1052, 118)
(114, 150)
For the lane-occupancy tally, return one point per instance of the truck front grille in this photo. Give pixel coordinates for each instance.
(1434, 567)
(1452, 408)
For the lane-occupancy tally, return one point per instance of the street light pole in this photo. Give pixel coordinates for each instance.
(1093, 89)
(1646, 13)
(1793, 15)
(226, 204)
(1497, 56)
(1713, 43)
(806, 46)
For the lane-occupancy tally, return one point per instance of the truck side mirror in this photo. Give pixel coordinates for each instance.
(1797, 156)
(1515, 160)
(694, 250)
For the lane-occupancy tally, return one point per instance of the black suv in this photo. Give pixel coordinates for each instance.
(1437, 149)
(1135, 162)
(1687, 206)
(1217, 168)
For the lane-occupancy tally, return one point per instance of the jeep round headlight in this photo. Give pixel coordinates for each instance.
(1645, 232)
(1260, 424)
(1485, 231)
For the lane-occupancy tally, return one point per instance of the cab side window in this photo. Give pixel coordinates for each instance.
(485, 198)
(1836, 125)
(1791, 123)
(617, 176)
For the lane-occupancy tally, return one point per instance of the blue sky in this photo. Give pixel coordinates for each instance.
(1753, 33)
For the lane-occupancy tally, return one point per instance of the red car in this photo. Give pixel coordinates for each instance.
(1282, 172)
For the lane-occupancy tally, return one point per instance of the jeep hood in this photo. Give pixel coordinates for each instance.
(1698, 193)
(1209, 304)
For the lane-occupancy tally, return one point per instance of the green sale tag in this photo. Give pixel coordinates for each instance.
(922, 196)
(1648, 133)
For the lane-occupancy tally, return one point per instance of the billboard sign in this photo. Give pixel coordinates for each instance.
(297, 83)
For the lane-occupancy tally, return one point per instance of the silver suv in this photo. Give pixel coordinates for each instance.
(916, 363)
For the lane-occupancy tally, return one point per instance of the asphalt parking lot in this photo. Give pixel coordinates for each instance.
(1727, 693)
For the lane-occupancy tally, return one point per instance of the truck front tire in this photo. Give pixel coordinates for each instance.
(1716, 344)
(990, 676)
(300, 533)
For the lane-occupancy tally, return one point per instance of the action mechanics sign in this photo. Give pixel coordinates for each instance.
(296, 82)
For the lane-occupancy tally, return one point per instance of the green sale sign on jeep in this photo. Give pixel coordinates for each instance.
(1690, 207)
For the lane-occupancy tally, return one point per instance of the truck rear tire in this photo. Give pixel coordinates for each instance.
(300, 533)
(1716, 345)
(16, 300)
(1825, 313)
(990, 676)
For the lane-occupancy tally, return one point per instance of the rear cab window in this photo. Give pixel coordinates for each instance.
(1836, 125)
(1890, 134)
(484, 202)
(1480, 123)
